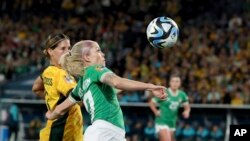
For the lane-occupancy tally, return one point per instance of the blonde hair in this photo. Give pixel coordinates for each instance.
(72, 62)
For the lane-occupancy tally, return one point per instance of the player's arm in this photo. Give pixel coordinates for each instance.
(186, 111)
(38, 87)
(118, 91)
(80, 103)
(60, 110)
(153, 107)
(117, 82)
(122, 83)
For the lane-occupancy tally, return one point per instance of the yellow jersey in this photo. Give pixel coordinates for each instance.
(58, 84)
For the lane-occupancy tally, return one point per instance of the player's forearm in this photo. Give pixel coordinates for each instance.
(131, 85)
(40, 94)
(152, 106)
(38, 87)
(186, 108)
(55, 114)
(123, 83)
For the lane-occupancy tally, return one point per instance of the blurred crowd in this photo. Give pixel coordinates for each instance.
(26, 123)
(212, 54)
(184, 132)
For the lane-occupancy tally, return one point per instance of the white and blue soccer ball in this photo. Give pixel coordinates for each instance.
(162, 32)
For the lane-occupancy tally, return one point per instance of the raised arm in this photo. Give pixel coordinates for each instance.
(38, 87)
(130, 85)
(60, 110)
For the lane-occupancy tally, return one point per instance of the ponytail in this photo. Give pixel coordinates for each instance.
(73, 65)
(72, 62)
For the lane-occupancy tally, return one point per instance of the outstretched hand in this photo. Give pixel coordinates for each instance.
(158, 91)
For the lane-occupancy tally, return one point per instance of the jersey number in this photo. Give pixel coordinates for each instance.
(173, 105)
(47, 101)
(89, 104)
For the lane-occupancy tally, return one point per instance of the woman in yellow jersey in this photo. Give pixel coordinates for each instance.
(54, 84)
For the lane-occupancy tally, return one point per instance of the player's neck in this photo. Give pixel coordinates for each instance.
(85, 67)
(87, 64)
(54, 64)
(173, 91)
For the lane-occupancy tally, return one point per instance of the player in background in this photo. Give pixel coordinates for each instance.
(95, 88)
(166, 115)
(54, 84)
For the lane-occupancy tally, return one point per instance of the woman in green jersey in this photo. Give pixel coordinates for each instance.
(166, 115)
(95, 88)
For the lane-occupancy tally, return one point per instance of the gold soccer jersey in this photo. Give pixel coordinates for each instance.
(58, 84)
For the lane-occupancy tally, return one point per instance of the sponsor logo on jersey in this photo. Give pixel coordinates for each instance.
(69, 79)
(99, 68)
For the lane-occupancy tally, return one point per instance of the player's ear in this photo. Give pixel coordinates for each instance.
(86, 58)
(49, 50)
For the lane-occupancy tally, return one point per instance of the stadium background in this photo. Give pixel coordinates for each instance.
(213, 56)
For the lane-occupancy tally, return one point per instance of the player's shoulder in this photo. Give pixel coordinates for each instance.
(53, 71)
(182, 92)
(97, 68)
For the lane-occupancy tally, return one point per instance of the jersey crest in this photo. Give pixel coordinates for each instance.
(99, 68)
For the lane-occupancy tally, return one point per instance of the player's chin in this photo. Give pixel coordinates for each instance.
(104, 63)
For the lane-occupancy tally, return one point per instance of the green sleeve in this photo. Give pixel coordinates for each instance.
(98, 73)
(184, 97)
(156, 100)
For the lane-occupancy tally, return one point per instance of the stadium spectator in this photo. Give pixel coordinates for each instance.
(13, 121)
(149, 131)
(237, 98)
(202, 133)
(214, 96)
(216, 133)
(33, 130)
(137, 131)
(188, 133)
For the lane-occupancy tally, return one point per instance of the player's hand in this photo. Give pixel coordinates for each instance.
(157, 113)
(158, 91)
(186, 114)
(48, 115)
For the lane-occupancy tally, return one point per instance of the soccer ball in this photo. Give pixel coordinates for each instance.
(162, 32)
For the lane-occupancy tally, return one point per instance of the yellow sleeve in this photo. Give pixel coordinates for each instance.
(65, 83)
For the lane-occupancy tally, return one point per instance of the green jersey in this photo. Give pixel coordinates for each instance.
(169, 107)
(99, 99)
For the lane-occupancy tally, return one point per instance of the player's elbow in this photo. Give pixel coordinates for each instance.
(118, 83)
(34, 89)
(115, 85)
